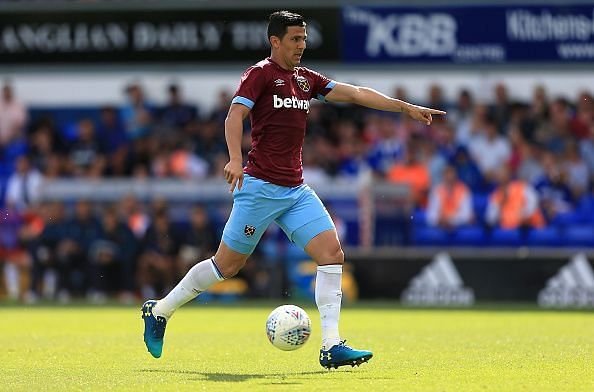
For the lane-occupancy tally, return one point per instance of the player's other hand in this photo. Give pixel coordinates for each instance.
(234, 174)
(422, 114)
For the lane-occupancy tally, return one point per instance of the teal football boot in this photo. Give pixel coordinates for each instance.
(342, 355)
(154, 329)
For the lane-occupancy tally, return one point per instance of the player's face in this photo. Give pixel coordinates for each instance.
(292, 45)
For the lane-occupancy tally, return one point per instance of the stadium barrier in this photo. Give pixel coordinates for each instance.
(355, 202)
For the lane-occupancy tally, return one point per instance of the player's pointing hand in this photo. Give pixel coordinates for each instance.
(234, 174)
(422, 114)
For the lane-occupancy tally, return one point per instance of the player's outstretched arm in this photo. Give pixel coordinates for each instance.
(365, 96)
(233, 133)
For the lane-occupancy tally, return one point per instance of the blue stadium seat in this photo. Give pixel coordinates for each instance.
(547, 236)
(479, 203)
(585, 209)
(430, 236)
(564, 219)
(419, 218)
(506, 237)
(579, 235)
(469, 236)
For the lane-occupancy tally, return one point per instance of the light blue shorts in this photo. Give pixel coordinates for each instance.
(297, 210)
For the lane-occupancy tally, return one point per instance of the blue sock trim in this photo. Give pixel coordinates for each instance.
(216, 269)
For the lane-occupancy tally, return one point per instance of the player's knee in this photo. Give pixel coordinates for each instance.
(332, 255)
(231, 268)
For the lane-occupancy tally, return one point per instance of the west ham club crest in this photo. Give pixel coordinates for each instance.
(302, 83)
(249, 230)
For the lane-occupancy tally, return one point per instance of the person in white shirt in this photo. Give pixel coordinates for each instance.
(489, 149)
(24, 185)
(13, 117)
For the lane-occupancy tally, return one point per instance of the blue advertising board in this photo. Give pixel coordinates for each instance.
(468, 34)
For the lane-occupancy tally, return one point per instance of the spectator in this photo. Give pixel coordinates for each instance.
(13, 117)
(209, 143)
(13, 255)
(111, 132)
(137, 114)
(313, 172)
(219, 113)
(587, 152)
(583, 119)
(500, 111)
(87, 155)
(183, 163)
(445, 141)
(513, 204)
(351, 150)
(73, 250)
(50, 272)
(462, 117)
(467, 170)
(387, 148)
(157, 265)
(176, 113)
(112, 258)
(132, 213)
(29, 234)
(46, 150)
(24, 185)
(577, 170)
(432, 159)
(554, 134)
(400, 93)
(554, 193)
(199, 241)
(450, 202)
(498, 147)
(539, 106)
(436, 98)
(413, 173)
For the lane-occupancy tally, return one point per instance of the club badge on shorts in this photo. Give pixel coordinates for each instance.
(249, 230)
(302, 83)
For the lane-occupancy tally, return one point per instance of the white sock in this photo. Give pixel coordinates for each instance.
(12, 275)
(199, 278)
(328, 297)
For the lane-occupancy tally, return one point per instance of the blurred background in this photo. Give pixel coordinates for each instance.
(112, 148)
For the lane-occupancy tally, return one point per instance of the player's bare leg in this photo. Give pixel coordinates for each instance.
(325, 249)
(225, 264)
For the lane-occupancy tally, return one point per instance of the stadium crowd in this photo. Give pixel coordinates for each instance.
(501, 172)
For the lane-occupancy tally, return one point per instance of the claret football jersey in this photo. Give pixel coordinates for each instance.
(279, 100)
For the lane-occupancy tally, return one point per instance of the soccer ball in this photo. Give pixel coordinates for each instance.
(288, 327)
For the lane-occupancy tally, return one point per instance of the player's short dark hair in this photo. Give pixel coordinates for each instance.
(280, 20)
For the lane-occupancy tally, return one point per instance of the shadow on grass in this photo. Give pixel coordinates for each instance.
(275, 378)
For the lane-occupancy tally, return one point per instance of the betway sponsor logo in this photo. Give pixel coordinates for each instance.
(572, 286)
(438, 284)
(290, 103)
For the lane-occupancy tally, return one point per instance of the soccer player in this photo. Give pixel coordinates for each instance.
(275, 93)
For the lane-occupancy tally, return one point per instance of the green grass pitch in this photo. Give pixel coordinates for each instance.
(212, 348)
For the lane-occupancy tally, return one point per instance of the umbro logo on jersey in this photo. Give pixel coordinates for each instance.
(438, 284)
(279, 82)
(572, 286)
(292, 102)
